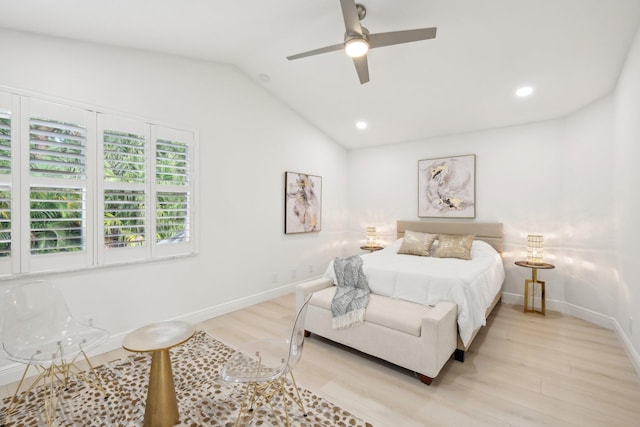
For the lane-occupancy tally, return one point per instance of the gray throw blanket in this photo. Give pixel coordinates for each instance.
(352, 293)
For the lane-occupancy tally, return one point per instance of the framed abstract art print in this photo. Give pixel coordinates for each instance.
(447, 187)
(303, 203)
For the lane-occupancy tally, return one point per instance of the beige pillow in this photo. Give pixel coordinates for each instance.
(415, 243)
(454, 246)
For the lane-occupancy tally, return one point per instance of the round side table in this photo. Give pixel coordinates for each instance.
(162, 407)
(534, 279)
(371, 248)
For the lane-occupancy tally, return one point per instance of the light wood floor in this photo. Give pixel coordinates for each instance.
(522, 370)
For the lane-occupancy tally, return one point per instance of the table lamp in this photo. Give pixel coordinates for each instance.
(534, 248)
(371, 236)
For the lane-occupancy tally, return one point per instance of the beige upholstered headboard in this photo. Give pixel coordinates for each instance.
(490, 232)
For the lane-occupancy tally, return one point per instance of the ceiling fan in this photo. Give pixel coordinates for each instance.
(358, 41)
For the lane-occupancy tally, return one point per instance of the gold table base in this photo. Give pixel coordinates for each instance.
(533, 297)
(534, 279)
(161, 409)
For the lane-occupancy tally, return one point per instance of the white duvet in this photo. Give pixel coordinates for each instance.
(471, 284)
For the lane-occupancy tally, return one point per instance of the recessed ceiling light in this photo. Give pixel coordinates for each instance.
(361, 125)
(524, 91)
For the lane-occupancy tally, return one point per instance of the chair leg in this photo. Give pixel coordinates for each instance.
(298, 398)
(14, 399)
(257, 394)
(87, 377)
(54, 379)
(46, 376)
(242, 404)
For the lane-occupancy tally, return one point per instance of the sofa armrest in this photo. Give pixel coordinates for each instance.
(441, 327)
(304, 289)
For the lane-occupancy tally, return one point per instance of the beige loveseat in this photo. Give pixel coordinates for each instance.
(414, 336)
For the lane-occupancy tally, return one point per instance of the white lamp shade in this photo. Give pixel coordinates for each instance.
(371, 236)
(534, 248)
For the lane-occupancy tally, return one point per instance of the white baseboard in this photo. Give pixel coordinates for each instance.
(588, 315)
(12, 372)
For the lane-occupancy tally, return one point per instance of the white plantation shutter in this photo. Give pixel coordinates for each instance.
(5, 142)
(173, 190)
(124, 210)
(57, 182)
(172, 221)
(5, 222)
(57, 220)
(172, 162)
(5, 181)
(80, 189)
(9, 178)
(57, 149)
(124, 157)
(124, 218)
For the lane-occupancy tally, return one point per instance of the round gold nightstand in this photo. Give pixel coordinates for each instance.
(371, 248)
(534, 279)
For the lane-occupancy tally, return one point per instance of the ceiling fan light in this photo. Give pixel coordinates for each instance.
(356, 47)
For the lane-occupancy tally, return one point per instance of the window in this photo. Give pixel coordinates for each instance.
(76, 188)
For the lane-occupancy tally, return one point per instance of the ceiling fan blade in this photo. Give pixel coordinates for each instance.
(350, 15)
(362, 68)
(399, 37)
(317, 51)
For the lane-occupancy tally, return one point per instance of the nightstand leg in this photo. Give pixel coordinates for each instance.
(533, 297)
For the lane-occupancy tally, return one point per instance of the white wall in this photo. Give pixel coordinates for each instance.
(626, 176)
(247, 141)
(544, 177)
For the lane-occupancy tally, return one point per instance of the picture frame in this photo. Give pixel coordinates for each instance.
(447, 187)
(303, 203)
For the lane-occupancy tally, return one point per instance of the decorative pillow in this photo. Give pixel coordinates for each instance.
(454, 246)
(415, 243)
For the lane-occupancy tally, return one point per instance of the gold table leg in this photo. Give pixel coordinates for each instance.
(533, 281)
(162, 406)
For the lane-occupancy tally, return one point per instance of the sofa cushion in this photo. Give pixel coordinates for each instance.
(382, 311)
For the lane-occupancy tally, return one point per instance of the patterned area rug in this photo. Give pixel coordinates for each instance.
(203, 398)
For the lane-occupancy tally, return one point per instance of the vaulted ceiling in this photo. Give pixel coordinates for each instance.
(570, 51)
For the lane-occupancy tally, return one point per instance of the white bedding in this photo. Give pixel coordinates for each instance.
(471, 284)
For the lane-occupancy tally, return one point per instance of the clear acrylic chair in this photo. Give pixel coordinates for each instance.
(38, 330)
(263, 366)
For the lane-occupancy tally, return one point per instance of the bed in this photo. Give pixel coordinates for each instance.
(491, 234)
(421, 309)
